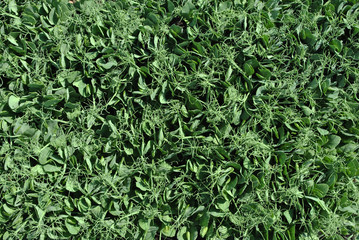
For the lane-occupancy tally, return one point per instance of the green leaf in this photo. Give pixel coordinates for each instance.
(84, 204)
(83, 88)
(53, 18)
(224, 6)
(160, 137)
(322, 131)
(223, 204)
(265, 73)
(229, 73)
(333, 141)
(153, 18)
(320, 202)
(307, 111)
(204, 219)
(170, 6)
(13, 7)
(199, 48)
(72, 226)
(70, 185)
(44, 155)
(51, 168)
(353, 168)
(39, 213)
(12, 40)
(203, 231)
(194, 103)
(13, 102)
(350, 147)
(288, 216)
(168, 231)
(232, 184)
(181, 233)
(336, 45)
(51, 102)
(29, 20)
(188, 8)
(140, 184)
(106, 65)
(144, 224)
(291, 232)
(248, 69)
(320, 190)
(255, 181)
(9, 211)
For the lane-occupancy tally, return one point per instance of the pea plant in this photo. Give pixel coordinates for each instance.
(179, 119)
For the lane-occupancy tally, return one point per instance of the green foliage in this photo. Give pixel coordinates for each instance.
(179, 119)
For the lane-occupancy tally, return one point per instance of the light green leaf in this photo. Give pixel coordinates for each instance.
(169, 231)
(51, 168)
(350, 147)
(188, 8)
(203, 231)
(12, 40)
(113, 127)
(229, 73)
(72, 226)
(162, 98)
(37, 170)
(288, 216)
(9, 211)
(225, 6)
(322, 131)
(13, 102)
(140, 184)
(128, 150)
(83, 88)
(160, 137)
(44, 155)
(181, 233)
(144, 224)
(70, 185)
(106, 65)
(320, 202)
(350, 209)
(13, 7)
(88, 163)
(307, 111)
(40, 213)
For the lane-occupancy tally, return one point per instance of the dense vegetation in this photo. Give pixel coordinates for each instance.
(208, 119)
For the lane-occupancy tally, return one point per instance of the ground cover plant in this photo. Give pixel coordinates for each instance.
(208, 119)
